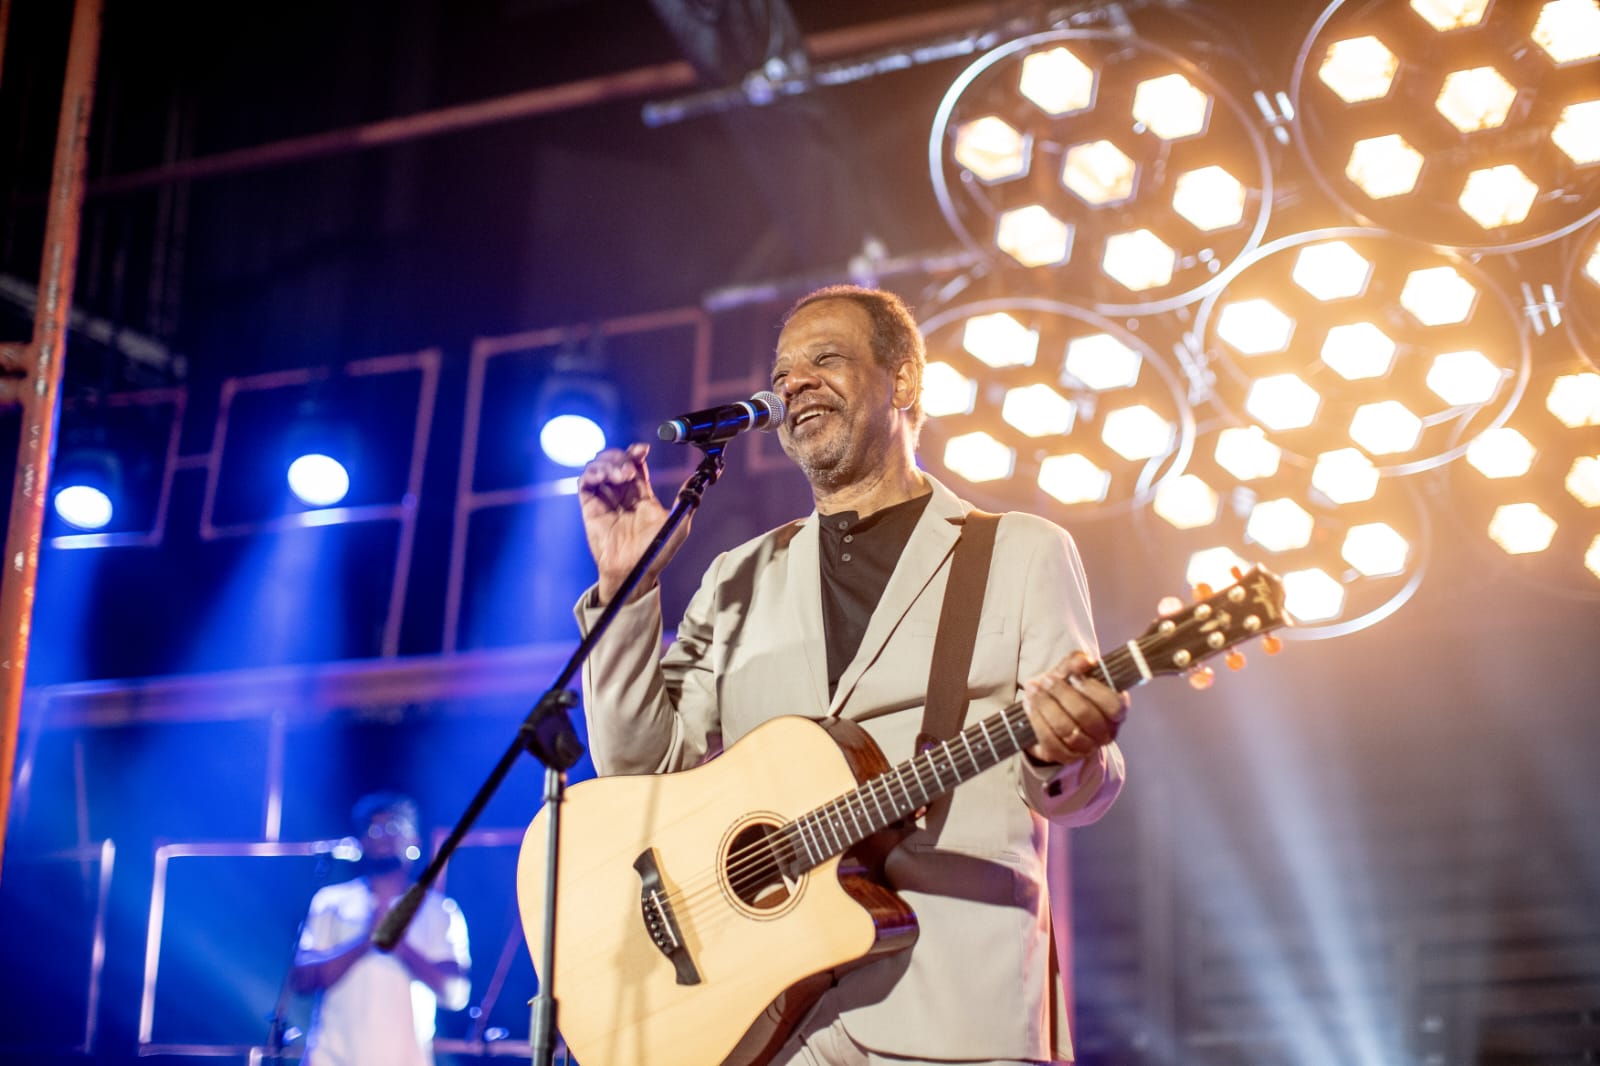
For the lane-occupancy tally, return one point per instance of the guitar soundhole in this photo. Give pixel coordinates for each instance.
(751, 868)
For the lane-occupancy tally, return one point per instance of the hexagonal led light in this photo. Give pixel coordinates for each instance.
(1210, 198)
(1331, 271)
(1521, 528)
(1385, 428)
(1073, 478)
(979, 457)
(1375, 550)
(991, 149)
(1591, 269)
(1591, 558)
(1038, 411)
(1136, 432)
(1171, 107)
(1575, 399)
(1384, 166)
(1476, 99)
(1057, 82)
(1280, 525)
(1345, 475)
(1282, 402)
(947, 391)
(1033, 236)
(1098, 172)
(1246, 453)
(1577, 132)
(1498, 196)
(1186, 502)
(998, 340)
(1102, 362)
(1358, 351)
(1445, 15)
(1583, 480)
(1358, 68)
(1501, 453)
(1312, 596)
(1568, 30)
(1214, 567)
(1463, 378)
(1438, 296)
(1139, 260)
(1255, 327)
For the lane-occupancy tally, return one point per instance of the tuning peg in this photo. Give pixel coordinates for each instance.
(1234, 659)
(1272, 644)
(1169, 605)
(1201, 677)
(1238, 574)
(1203, 591)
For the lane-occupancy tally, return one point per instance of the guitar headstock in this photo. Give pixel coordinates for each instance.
(1181, 639)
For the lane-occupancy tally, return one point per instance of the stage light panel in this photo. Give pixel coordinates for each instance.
(1345, 475)
(1139, 260)
(571, 440)
(1375, 550)
(1521, 528)
(1331, 270)
(1057, 82)
(1246, 453)
(1385, 428)
(999, 341)
(84, 507)
(1102, 362)
(1498, 196)
(979, 457)
(1033, 236)
(1255, 327)
(1136, 432)
(1210, 198)
(1577, 133)
(1568, 30)
(1099, 173)
(1591, 558)
(1279, 525)
(1501, 453)
(1591, 269)
(991, 149)
(1171, 106)
(1186, 502)
(1575, 399)
(1465, 378)
(319, 480)
(1583, 480)
(1074, 478)
(1283, 401)
(1446, 15)
(1384, 166)
(1038, 411)
(1213, 567)
(1475, 99)
(1312, 596)
(947, 391)
(1438, 296)
(1358, 350)
(1359, 69)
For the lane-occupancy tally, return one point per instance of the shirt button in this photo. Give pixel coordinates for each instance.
(843, 524)
(845, 557)
(848, 537)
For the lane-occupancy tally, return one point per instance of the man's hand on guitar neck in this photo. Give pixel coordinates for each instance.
(1072, 711)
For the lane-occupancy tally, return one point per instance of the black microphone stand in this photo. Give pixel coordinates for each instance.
(548, 734)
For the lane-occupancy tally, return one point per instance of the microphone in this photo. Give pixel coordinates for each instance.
(345, 849)
(763, 411)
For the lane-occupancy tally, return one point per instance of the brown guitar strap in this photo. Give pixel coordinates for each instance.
(953, 644)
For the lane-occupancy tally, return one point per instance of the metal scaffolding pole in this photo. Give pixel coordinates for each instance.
(40, 391)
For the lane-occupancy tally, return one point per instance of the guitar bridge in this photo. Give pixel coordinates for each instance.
(659, 921)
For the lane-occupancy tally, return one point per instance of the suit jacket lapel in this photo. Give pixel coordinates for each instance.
(930, 544)
(805, 594)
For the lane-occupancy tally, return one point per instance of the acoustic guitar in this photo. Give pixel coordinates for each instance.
(700, 913)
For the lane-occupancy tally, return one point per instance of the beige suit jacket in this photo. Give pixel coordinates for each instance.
(981, 981)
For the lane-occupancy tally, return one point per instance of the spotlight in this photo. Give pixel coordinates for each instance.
(88, 481)
(571, 440)
(318, 480)
(83, 507)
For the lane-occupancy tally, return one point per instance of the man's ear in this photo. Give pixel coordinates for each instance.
(907, 384)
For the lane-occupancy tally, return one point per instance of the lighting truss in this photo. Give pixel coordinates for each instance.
(1352, 340)
(1051, 408)
(1118, 171)
(1463, 123)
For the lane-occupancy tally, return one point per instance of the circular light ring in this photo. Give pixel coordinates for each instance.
(1493, 326)
(1159, 386)
(974, 207)
(1329, 129)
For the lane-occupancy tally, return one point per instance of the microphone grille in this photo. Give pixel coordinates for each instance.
(775, 409)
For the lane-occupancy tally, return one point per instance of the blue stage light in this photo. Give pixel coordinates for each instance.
(318, 480)
(84, 507)
(571, 440)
